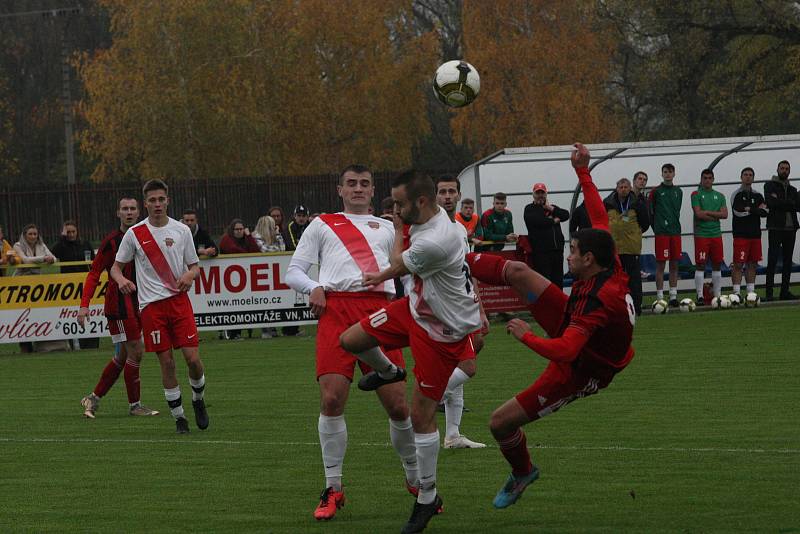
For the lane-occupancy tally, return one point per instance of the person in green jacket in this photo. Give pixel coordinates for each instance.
(665, 210)
(498, 224)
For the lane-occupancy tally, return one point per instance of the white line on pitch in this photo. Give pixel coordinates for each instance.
(316, 444)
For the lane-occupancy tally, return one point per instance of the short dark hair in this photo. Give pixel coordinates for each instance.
(127, 197)
(705, 172)
(154, 184)
(784, 161)
(467, 201)
(417, 185)
(356, 168)
(635, 176)
(668, 167)
(747, 169)
(70, 222)
(189, 211)
(499, 196)
(448, 178)
(387, 204)
(599, 243)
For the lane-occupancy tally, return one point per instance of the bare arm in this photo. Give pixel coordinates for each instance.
(186, 279)
(126, 286)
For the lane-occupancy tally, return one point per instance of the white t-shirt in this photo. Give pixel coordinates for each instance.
(338, 269)
(442, 300)
(176, 243)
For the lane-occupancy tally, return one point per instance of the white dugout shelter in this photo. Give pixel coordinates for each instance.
(514, 171)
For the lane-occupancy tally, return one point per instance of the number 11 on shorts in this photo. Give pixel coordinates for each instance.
(156, 336)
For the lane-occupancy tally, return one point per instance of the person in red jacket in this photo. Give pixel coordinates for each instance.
(589, 332)
(122, 314)
(237, 239)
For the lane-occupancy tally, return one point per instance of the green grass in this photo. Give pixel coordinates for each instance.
(701, 433)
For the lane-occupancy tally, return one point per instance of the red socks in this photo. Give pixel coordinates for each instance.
(515, 449)
(109, 376)
(488, 268)
(132, 381)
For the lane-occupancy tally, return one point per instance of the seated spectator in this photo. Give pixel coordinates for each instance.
(70, 248)
(543, 221)
(31, 250)
(267, 236)
(8, 256)
(498, 224)
(470, 221)
(237, 239)
(203, 243)
(298, 225)
(276, 212)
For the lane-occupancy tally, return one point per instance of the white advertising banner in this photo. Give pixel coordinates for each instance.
(232, 292)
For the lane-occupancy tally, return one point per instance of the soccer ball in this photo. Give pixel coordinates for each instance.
(456, 83)
(735, 299)
(687, 305)
(721, 302)
(660, 307)
(752, 300)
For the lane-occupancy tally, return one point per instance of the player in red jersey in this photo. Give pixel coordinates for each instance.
(589, 332)
(122, 314)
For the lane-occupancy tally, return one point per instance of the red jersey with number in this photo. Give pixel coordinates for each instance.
(117, 305)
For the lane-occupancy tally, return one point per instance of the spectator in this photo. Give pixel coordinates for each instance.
(470, 221)
(314, 216)
(639, 185)
(70, 248)
(203, 243)
(267, 236)
(543, 221)
(748, 207)
(709, 208)
(665, 213)
(298, 225)
(498, 224)
(579, 219)
(387, 209)
(8, 255)
(276, 212)
(781, 199)
(628, 219)
(31, 249)
(237, 239)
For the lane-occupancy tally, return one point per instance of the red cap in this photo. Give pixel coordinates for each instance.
(539, 187)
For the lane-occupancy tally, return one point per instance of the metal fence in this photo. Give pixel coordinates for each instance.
(217, 201)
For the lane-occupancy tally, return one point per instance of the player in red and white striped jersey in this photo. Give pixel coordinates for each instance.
(166, 265)
(345, 245)
(122, 314)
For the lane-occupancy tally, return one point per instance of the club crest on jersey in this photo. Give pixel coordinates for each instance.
(374, 225)
(169, 241)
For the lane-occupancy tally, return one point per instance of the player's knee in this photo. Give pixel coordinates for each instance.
(514, 270)
(468, 367)
(398, 411)
(332, 404)
(499, 426)
(167, 365)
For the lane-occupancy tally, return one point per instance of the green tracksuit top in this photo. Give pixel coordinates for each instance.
(665, 206)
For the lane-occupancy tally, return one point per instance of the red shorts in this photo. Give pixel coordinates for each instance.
(169, 324)
(668, 247)
(707, 248)
(434, 361)
(747, 250)
(343, 310)
(562, 383)
(123, 330)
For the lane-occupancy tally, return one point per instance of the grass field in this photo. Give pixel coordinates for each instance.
(700, 434)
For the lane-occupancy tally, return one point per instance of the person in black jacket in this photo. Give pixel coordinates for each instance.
(297, 226)
(70, 248)
(543, 221)
(781, 199)
(748, 208)
(579, 219)
(203, 243)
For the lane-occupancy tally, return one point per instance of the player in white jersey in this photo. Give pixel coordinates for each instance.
(166, 265)
(448, 193)
(345, 245)
(436, 320)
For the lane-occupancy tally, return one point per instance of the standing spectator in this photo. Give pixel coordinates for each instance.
(31, 249)
(628, 219)
(8, 256)
(267, 236)
(276, 212)
(237, 239)
(579, 219)
(709, 208)
(639, 185)
(203, 243)
(498, 224)
(70, 248)
(470, 221)
(748, 207)
(781, 199)
(665, 214)
(543, 221)
(298, 225)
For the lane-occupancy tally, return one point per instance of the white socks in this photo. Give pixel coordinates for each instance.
(173, 397)
(402, 435)
(716, 282)
(198, 387)
(751, 288)
(427, 456)
(454, 402)
(673, 293)
(376, 359)
(333, 440)
(699, 276)
(737, 288)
